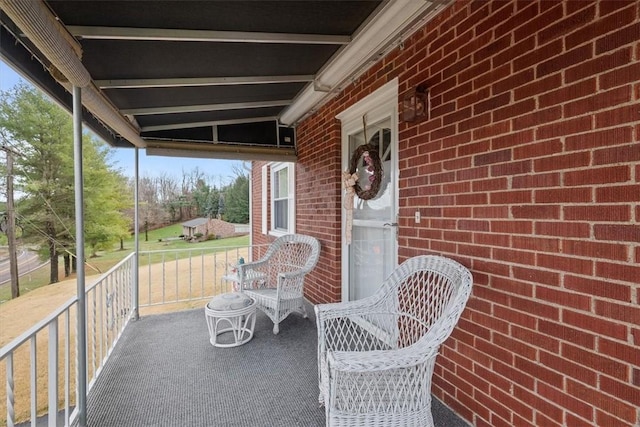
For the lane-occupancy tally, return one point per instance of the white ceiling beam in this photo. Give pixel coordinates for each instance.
(201, 81)
(209, 123)
(205, 107)
(167, 34)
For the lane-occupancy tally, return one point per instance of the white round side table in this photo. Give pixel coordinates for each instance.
(232, 313)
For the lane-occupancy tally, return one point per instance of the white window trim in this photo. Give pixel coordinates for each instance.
(291, 213)
(374, 106)
(265, 199)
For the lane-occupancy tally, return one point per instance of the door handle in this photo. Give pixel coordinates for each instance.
(393, 224)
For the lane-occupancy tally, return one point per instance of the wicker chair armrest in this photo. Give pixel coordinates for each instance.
(248, 272)
(344, 309)
(379, 360)
(253, 264)
(292, 274)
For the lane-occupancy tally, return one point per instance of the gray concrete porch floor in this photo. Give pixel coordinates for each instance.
(164, 372)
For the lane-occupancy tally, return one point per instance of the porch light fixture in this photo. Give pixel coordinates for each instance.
(415, 104)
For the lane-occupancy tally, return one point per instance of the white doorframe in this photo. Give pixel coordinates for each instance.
(381, 104)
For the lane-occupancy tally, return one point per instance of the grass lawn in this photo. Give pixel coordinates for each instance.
(162, 239)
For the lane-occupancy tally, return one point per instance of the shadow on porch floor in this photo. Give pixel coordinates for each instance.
(164, 372)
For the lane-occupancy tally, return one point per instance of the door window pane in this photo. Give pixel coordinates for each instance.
(369, 261)
(379, 207)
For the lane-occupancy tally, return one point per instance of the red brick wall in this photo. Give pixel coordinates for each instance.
(528, 172)
(221, 228)
(256, 209)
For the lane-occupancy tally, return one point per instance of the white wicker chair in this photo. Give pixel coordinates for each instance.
(276, 281)
(376, 355)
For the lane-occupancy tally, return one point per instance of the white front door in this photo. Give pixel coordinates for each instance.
(373, 252)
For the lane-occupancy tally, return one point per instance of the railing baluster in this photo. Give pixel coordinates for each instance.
(109, 302)
(116, 285)
(129, 285)
(226, 270)
(53, 372)
(33, 369)
(77, 368)
(11, 415)
(110, 312)
(202, 274)
(100, 292)
(215, 273)
(125, 295)
(67, 363)
(114, 307)
(177, 269)
(149, 279)
(94, 331)
(164, 283)
(190, 275)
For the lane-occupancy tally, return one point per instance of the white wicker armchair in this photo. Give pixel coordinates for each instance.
(376, 355)
(276, 281)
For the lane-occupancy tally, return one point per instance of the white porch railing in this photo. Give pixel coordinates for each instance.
(183, 275)
(40, 365)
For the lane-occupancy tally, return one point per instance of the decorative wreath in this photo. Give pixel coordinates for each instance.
(371, 159)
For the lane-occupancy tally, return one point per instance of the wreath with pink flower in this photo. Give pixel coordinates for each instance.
(373, 167)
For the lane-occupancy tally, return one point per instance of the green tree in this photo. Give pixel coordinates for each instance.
(105, 193)
(212, 203)
(221, 205)
(237, 200)
(43, 134)
(178, 206)
(152, 211)
(200, 197)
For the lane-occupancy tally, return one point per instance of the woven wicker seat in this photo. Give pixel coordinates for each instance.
(284, 266)
(376, 355)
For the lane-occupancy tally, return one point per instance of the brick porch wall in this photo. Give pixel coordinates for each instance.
(256, 209)
(528, 172)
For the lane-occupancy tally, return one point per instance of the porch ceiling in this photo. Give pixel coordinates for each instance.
(224, 79)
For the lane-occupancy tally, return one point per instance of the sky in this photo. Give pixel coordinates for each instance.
(151, 166)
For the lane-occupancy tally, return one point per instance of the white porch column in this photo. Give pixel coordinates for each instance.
(80, 257)
(136, 258)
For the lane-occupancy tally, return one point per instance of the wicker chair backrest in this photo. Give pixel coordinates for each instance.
(292, 252)
(429, 293)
